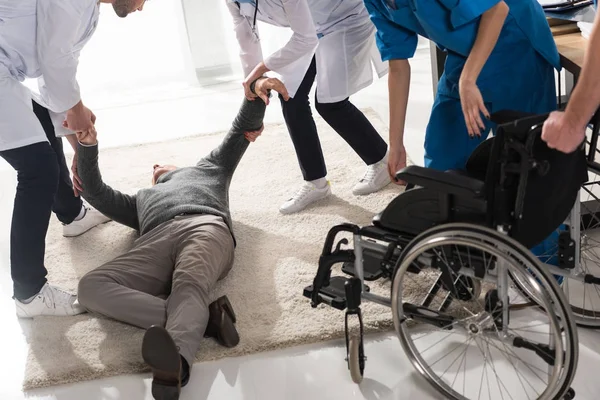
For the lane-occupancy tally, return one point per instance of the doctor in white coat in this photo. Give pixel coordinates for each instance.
(333, 42)
(42, 39)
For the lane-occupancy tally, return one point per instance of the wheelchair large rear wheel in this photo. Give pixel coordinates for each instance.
(583, 296)
(482, 347)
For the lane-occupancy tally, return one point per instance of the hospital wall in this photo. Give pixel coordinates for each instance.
(212, 42)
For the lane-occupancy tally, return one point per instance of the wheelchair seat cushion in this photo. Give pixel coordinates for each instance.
(421, 208)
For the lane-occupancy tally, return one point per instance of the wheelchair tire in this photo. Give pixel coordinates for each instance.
(586, 308)
(356, 358)
(515, 258)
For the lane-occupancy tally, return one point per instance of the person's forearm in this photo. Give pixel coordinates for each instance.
(490, 26)
(398, 87)
(120, 207)
(232, 148)
(258, 71)
(585, 99)
(72, 139)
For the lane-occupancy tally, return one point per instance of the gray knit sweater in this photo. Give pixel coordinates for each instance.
(201, 189)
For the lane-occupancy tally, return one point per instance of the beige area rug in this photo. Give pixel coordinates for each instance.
(276, 257)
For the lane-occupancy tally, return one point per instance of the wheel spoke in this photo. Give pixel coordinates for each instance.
(472, 302)
(447, 354)
(506, 355)
(508, 352)
(495, 373)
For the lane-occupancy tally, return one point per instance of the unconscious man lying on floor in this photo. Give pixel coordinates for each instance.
(163, 284)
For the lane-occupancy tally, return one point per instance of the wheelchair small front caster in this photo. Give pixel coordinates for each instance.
(570, 395)
(468, 289)
(356, 358)
(355, 351)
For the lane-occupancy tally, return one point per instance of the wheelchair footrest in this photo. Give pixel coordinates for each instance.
(372, 266)
(334, 294)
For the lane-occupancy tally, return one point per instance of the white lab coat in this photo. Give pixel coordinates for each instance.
(40, 39)
(337, 33)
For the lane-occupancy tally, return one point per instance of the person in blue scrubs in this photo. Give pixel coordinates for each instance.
(501, 55)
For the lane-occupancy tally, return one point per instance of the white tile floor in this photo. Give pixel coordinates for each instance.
(316, 371)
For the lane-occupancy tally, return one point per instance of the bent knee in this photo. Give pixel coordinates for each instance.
(89, 290)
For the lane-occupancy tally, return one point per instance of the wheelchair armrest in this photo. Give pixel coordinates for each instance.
(444, 182)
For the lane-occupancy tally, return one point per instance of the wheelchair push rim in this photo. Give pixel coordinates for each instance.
(481, 328)
(579, 260)
(584, 298)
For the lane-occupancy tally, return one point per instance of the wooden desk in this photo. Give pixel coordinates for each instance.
(571, 48)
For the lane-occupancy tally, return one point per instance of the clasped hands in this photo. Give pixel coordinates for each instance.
(261, 88)
(86, 136)
(80, 120)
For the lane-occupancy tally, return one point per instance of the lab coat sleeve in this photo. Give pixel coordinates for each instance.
(58, 24)
(304, 39)
(393, 41)
(57, 122)
(56, 118)
(464, 11)
(250, 49)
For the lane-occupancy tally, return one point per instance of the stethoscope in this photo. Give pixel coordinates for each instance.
(254, 19)
(254, 22)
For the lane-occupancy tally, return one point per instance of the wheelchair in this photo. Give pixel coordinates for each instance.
(477, 313)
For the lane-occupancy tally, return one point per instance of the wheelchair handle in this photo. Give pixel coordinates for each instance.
(534, 131)
(542, 167)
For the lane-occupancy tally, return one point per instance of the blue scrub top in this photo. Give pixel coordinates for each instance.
(453, 25)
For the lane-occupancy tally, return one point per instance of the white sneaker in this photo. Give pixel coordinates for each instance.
(50, 301)
(376, 177)
(307, 195)
(91, 219)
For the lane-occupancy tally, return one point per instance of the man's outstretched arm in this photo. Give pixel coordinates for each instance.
(119, 207)
(566, 131)
(249, 118)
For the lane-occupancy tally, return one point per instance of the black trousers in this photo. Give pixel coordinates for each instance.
(343, 117)
(44, 186)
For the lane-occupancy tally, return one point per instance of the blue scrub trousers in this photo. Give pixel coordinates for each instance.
(447, 143)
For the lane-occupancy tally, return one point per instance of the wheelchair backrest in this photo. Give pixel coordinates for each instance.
(530, 188)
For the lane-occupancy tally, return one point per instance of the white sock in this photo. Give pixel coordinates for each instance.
(81, 214)
(320, 183)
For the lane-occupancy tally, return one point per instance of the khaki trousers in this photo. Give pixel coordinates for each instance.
(165, 279)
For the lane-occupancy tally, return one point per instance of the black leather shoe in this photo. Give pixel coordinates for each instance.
(221, 323)
(161, 354)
